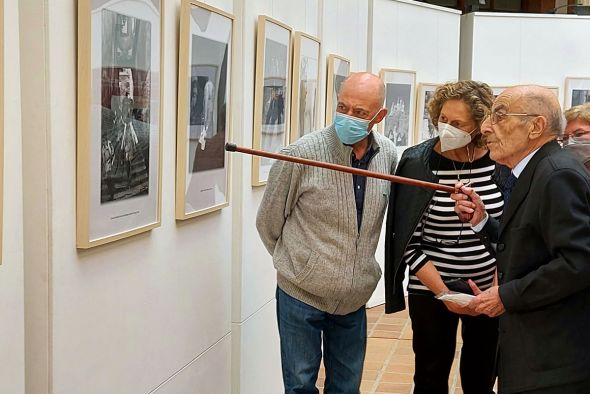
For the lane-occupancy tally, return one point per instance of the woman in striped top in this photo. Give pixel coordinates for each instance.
(425, 234)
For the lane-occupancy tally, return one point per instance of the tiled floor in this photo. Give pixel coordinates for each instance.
(389, 363)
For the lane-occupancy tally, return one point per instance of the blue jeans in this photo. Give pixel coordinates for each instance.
(302, 328)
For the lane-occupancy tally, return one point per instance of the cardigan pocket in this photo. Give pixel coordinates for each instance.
(316, 277)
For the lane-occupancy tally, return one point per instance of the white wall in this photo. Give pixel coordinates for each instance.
(151, 311)
(409, 35)
(12, 373)
(510, 49)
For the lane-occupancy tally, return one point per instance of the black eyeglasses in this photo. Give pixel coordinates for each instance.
(433, 240)
(498, 116)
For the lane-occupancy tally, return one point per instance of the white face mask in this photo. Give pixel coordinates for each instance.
(452, 137)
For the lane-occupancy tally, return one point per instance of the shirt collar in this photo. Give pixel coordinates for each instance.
(519, 168)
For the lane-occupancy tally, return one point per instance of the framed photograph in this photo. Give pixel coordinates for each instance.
(119, 119)
(204, 82)
(338, 70)
(425, 130)
(577, 91)
(306, 80)
(398, 125)
(272, 93)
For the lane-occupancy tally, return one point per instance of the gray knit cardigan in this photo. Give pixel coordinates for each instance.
(307, 222)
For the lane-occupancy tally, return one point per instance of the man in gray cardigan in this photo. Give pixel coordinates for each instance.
(322, 227)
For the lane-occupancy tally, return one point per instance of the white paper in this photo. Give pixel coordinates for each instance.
(458, 298)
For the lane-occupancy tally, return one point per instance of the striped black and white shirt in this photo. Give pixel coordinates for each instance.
(441, 238)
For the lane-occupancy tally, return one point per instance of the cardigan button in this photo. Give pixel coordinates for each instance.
(500, 247)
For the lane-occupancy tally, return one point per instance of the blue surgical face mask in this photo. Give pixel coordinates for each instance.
(351, 130)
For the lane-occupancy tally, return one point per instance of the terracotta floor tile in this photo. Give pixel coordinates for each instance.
(391, 388)
(403, 351)
(370, 375)
(372, 365)
(367, 385)
(403, 359)
(400, 368)
(392, 377)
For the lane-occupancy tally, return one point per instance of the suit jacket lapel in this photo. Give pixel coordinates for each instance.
(523, 184)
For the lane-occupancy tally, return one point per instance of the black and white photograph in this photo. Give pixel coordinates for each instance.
(577, 91)
(397, 121)
(398, 124)
(275, 86)
(125, 126)
(580, 96)
(424, 127)
(272, 96)
(207, 104)
(119, 129)
(304, 112)
(338, 70)
(203, 114)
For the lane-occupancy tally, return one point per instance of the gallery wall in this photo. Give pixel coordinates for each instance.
(145, 314)
(408, 35)
(12, 373)
(509, 49)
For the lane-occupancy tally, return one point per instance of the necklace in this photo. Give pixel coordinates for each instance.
(472, 158)
(460, 170)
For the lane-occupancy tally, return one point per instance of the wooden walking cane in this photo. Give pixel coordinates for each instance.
(337, 167)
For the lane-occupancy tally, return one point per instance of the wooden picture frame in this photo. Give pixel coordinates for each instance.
(204, 87)
(119, 144)
(577, 91)
(272, 93)
(306, 85)
(338, 70)
(424, 129)
(400, 101)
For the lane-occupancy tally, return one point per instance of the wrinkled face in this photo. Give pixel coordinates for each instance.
(457, 114)
(578, 129)
(507, 136)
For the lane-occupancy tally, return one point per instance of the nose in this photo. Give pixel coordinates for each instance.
(486, 126)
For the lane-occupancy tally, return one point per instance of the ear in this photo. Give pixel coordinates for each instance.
(538, 126)
(380, 115)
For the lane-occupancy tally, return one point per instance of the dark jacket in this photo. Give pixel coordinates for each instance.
(406, 207)
(543, 258)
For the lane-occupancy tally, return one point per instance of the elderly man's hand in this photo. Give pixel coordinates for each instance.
(487, 302)
(460, 310)
(468, 205)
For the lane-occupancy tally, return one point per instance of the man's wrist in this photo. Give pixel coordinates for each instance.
(479, 226)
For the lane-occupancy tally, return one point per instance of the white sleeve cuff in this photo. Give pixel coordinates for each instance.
(479, 226)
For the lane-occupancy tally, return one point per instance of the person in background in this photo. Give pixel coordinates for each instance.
(577, 132)
(542, 243)
(425, 234)
(578, 123)
(322, 228)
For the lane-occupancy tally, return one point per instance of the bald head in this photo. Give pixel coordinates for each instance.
(366, 86)
(539, 100)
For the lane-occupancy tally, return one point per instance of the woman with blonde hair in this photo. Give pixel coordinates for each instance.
(442, 253)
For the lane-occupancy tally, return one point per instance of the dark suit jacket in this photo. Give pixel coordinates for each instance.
(543, 257)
